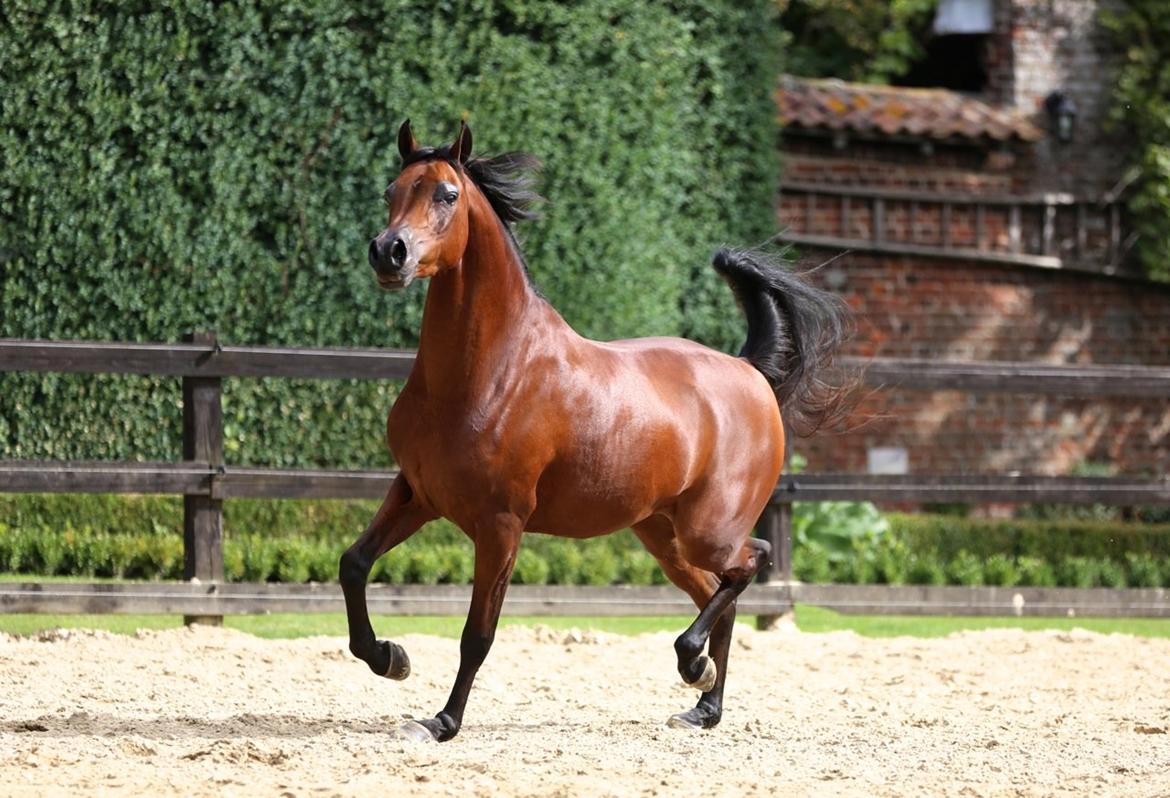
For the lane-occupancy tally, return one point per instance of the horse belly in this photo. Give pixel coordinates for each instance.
(585, 498)
(582, 513)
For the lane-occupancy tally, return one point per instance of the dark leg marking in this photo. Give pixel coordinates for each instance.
(709, 711)
(495, 556)
(396, 520)
(715, 623)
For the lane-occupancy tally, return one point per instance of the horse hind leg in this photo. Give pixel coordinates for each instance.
(715, 623)
(704, 673)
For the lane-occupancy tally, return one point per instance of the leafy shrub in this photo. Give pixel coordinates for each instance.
(965, 569)
(638, 568)
(834, 527)
(425, 566)
(868, 40)
(599, 566)
(15, 550)
(1079, 572)
(302, 541)
(1035, 572)
(1001, 570)
(260, 559)
(531, 569)
(392, 568)
(840, 541)
(893, 563)
(1144, 570)
(860, 568)
(49, 553)
(925, 569)
(292, 564)
(1112, 574)
(564, 565)
(456, 564)
(811, 564)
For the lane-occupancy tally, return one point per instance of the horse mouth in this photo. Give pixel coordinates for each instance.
(393, 283)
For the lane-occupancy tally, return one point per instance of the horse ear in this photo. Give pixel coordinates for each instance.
(461, 149)
(406, 142)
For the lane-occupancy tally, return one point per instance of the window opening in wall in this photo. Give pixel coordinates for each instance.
(955, 61)
(956, 48)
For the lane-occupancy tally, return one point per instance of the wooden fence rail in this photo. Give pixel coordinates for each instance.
(205, 480)
(202, 599)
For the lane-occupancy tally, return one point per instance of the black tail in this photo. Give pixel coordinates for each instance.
(794, 330)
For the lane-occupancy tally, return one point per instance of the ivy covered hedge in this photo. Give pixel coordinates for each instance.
(1141, 32)
(172, 166)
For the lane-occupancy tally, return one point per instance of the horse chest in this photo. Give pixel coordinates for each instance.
(447, 458)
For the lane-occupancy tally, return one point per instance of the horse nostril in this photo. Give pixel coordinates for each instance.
(397, 252)
(374, 253)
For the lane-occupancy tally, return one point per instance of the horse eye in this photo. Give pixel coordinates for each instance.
(446, 193)
(388, 195)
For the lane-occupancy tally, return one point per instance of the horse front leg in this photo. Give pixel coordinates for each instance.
(495, 555)
(397, 519)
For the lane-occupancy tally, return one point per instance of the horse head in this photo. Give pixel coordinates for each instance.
(427, 224)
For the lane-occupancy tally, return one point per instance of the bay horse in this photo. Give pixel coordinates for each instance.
(512, 422)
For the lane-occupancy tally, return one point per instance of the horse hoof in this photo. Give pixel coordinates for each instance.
(399, 667)
(415, 732)
(692, 720)
(685, 720)
(707, 680)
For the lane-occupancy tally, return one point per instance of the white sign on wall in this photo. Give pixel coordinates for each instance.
(888, 460)
(963, 16)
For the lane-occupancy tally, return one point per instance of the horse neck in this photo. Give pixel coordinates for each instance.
(478, 314)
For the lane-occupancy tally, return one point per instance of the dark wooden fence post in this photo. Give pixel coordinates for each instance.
(775, 526)
(202, 514)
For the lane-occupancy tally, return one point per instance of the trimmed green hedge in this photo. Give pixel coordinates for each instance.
(942, 550)
(186, 164)
(1050, 539)
(430, 558)
(140, 537)
(298, 541)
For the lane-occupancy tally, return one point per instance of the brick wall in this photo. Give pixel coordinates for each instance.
(948, 309)
(921, 222)
(878, 166)
(1042, 46)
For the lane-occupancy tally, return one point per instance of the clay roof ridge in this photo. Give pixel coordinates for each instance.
(933, 112)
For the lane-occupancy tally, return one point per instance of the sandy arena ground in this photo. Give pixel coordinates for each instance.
(216, 712)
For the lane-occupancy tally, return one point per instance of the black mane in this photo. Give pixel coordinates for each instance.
(506, 180)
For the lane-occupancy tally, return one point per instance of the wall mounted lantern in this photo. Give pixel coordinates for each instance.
(1062, 115)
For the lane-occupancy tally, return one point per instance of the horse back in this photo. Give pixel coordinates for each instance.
(648, 424)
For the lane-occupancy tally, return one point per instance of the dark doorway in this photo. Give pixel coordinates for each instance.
(955, 61)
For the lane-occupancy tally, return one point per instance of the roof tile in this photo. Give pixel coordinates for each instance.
(934, 113)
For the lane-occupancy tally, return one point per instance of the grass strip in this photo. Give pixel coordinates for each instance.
(809, 619)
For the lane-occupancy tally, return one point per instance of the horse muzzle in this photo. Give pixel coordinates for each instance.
(394, 258)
